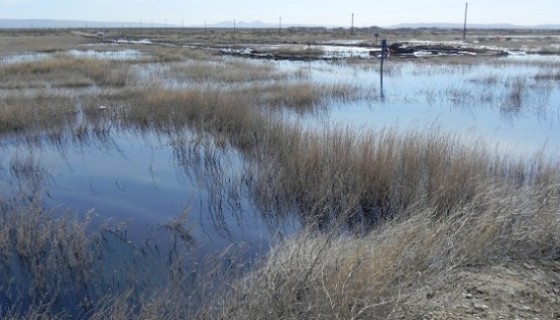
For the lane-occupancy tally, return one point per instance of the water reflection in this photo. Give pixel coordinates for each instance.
(145, 177)
(503, 99)
(115, 55)
(171, 207)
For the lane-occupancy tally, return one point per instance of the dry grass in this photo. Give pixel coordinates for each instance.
(44, 260)
(225, 71)
(166, 54)
(235, 114)
(36, 115)
(14, 41)
(343, 277)
(548, 76)
(328, 275)
(64, 71)
(379, 175)
(291, 51)
(304, 96)
(58, 266)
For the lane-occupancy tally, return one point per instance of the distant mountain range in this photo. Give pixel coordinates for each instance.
(501, 26)
(243, 24)
(56, 24)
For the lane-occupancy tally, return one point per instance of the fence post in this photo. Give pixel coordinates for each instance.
(383, 50)
(352, 26)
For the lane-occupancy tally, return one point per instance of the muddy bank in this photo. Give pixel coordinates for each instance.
(298, 52)
(335, 49)
(424, 49)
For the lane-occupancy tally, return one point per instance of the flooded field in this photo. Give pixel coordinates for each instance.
(185, 160)
(507, 101)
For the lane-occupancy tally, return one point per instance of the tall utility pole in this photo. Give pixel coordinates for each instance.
(280, 25)
(352, 26)
(465, 24)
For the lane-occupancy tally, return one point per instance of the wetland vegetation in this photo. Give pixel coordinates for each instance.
(168, 179)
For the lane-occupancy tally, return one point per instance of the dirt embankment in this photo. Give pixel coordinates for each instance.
(512, 290)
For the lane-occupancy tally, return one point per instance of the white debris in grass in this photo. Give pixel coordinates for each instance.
(120, 55)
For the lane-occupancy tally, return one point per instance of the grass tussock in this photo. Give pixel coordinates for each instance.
(304, 96)
(212, 109)
(43, 260)
(236, 115)
(32, 115)
(381, 174)
(548, 76)
(64, 71)
(226, 71)
(341, 277)
(297, 52)
(62, 267)
(166, 54)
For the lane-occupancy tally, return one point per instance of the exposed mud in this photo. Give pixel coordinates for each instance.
(337, 51)
(423, 49)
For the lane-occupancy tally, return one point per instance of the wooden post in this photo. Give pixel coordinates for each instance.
(280, 25)
(383, 49)
(465, 24)
(352, 26)
(234, 26)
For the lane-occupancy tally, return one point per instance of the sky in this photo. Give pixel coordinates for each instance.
(308, 12)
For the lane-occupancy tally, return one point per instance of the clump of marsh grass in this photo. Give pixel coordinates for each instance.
(214, 110)
(44, 260)
(371, 277)
(36, 114)
(515, 100)
(547, 76)
(379, 175)
(64, 71)
(237, 115)
(304, 96)
(303, 52)
(226, 71)
(25, 176)
(166, 54)
(60, 266)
